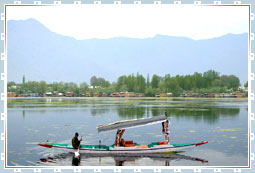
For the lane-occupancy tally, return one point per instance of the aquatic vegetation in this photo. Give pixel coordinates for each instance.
(137, 136)
(230, 130)
(150, 133)
(156, 136)
(180, 136)
(50, 134)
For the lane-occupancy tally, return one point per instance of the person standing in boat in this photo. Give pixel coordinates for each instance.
(165, 129)
(75, 141)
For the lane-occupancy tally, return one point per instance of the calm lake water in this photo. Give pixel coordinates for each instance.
(221, 122)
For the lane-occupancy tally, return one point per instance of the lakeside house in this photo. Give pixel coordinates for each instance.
(96, 95)
(69, 94)
(169, 94)
(59, 95)
(32, 95)
(48, 94)
(115, 95)
(139, 94)
(130, 94)
(237, 94)
(164, 95)
(88, 94)
(11, 94)
(122, 94)
(104, 95)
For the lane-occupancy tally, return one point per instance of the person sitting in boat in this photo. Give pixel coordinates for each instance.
(75, 141)
(119, 134)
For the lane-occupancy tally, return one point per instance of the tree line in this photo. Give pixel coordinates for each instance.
(207, 82)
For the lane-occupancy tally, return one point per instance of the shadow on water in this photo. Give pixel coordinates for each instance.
(121, 159)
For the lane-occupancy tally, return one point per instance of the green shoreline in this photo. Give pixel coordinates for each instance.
(158, 98)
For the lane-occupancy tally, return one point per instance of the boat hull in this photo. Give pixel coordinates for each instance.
(123, 150)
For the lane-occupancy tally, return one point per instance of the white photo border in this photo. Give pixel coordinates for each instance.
(143, 169)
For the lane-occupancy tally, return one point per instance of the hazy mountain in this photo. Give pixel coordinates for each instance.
(39, 54)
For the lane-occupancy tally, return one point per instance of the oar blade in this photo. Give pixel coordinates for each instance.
(33, 143)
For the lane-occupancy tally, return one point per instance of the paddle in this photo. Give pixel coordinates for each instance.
(32, 142)
(77, 154)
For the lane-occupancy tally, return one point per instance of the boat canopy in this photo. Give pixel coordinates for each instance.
(126, 124)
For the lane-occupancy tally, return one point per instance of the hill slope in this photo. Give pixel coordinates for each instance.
(39, 54)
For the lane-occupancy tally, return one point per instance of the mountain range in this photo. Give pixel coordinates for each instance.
(40, 54)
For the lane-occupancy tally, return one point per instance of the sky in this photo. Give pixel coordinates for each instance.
(136, 21)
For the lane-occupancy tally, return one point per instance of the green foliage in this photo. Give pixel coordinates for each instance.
(246, 84)
(99, 82)
(155, 81)
(208, 82)
(230, 81)
(93, 81)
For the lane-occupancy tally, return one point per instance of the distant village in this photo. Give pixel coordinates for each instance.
(208, 84)
(237, 94)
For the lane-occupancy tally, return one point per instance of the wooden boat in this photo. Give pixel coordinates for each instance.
(121, 146)
(152, 148)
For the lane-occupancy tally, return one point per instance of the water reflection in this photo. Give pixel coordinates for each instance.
(98, 111)
(76, 161)
(121, 159)
(131, 112)
(23, 114)
(210, 115)
(166, 158)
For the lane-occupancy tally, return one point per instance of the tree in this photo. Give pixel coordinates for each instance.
(231, 81)
(246, 84)
(93, 81)
(148, 81)
(131, 83)
(102, 82)
(124, 88)
(210, 76)
(149, 92)
(198, 80)
(140, 83)
(83, 87)
(155, 81)
(121, 81)
(11, 87)
(23, 79)
(42, 87)
(216, 83)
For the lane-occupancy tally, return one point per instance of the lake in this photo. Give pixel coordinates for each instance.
(222, 122)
